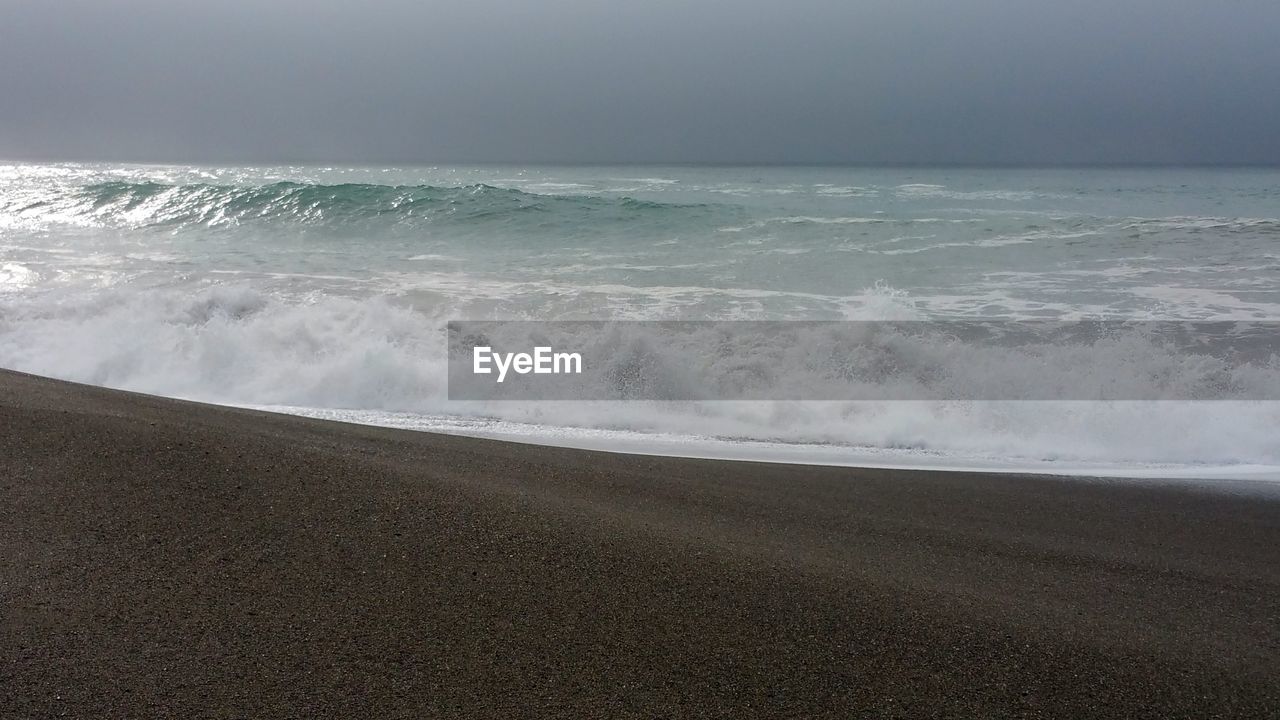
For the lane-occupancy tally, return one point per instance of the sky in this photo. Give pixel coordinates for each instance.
(648, 81)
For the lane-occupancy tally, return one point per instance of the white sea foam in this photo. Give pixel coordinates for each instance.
(923, 190)
(647, 180)
(238, 346)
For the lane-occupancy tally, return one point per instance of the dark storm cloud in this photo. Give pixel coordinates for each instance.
(985, 81)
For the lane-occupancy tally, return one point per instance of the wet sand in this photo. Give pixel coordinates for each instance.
(171, 559)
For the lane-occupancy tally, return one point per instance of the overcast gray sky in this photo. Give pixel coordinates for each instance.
(805, 81)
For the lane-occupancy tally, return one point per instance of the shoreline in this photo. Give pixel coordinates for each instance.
(627, 442)
(174, 558)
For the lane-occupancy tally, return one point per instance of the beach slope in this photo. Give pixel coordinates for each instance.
(171, 559)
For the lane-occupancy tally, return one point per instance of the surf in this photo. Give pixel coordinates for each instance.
(326, 291)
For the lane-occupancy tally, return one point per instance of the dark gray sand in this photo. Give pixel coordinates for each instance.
(170, 559)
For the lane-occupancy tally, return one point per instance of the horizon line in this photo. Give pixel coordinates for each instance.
(994, 165)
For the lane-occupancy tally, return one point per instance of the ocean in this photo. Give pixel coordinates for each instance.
(325, 291)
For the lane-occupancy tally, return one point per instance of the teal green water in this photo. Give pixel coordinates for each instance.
(703, 242)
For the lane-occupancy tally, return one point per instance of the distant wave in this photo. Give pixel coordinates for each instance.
(143, 204)
(1195, 224)
(811, 220)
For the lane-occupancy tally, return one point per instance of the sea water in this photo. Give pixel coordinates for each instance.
(325, 291)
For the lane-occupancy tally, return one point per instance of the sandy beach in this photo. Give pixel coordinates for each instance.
(171, 559)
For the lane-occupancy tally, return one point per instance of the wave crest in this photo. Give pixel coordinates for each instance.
(148, 204)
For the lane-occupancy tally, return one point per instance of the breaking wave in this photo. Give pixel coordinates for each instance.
(235, 345)
(153, 204)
